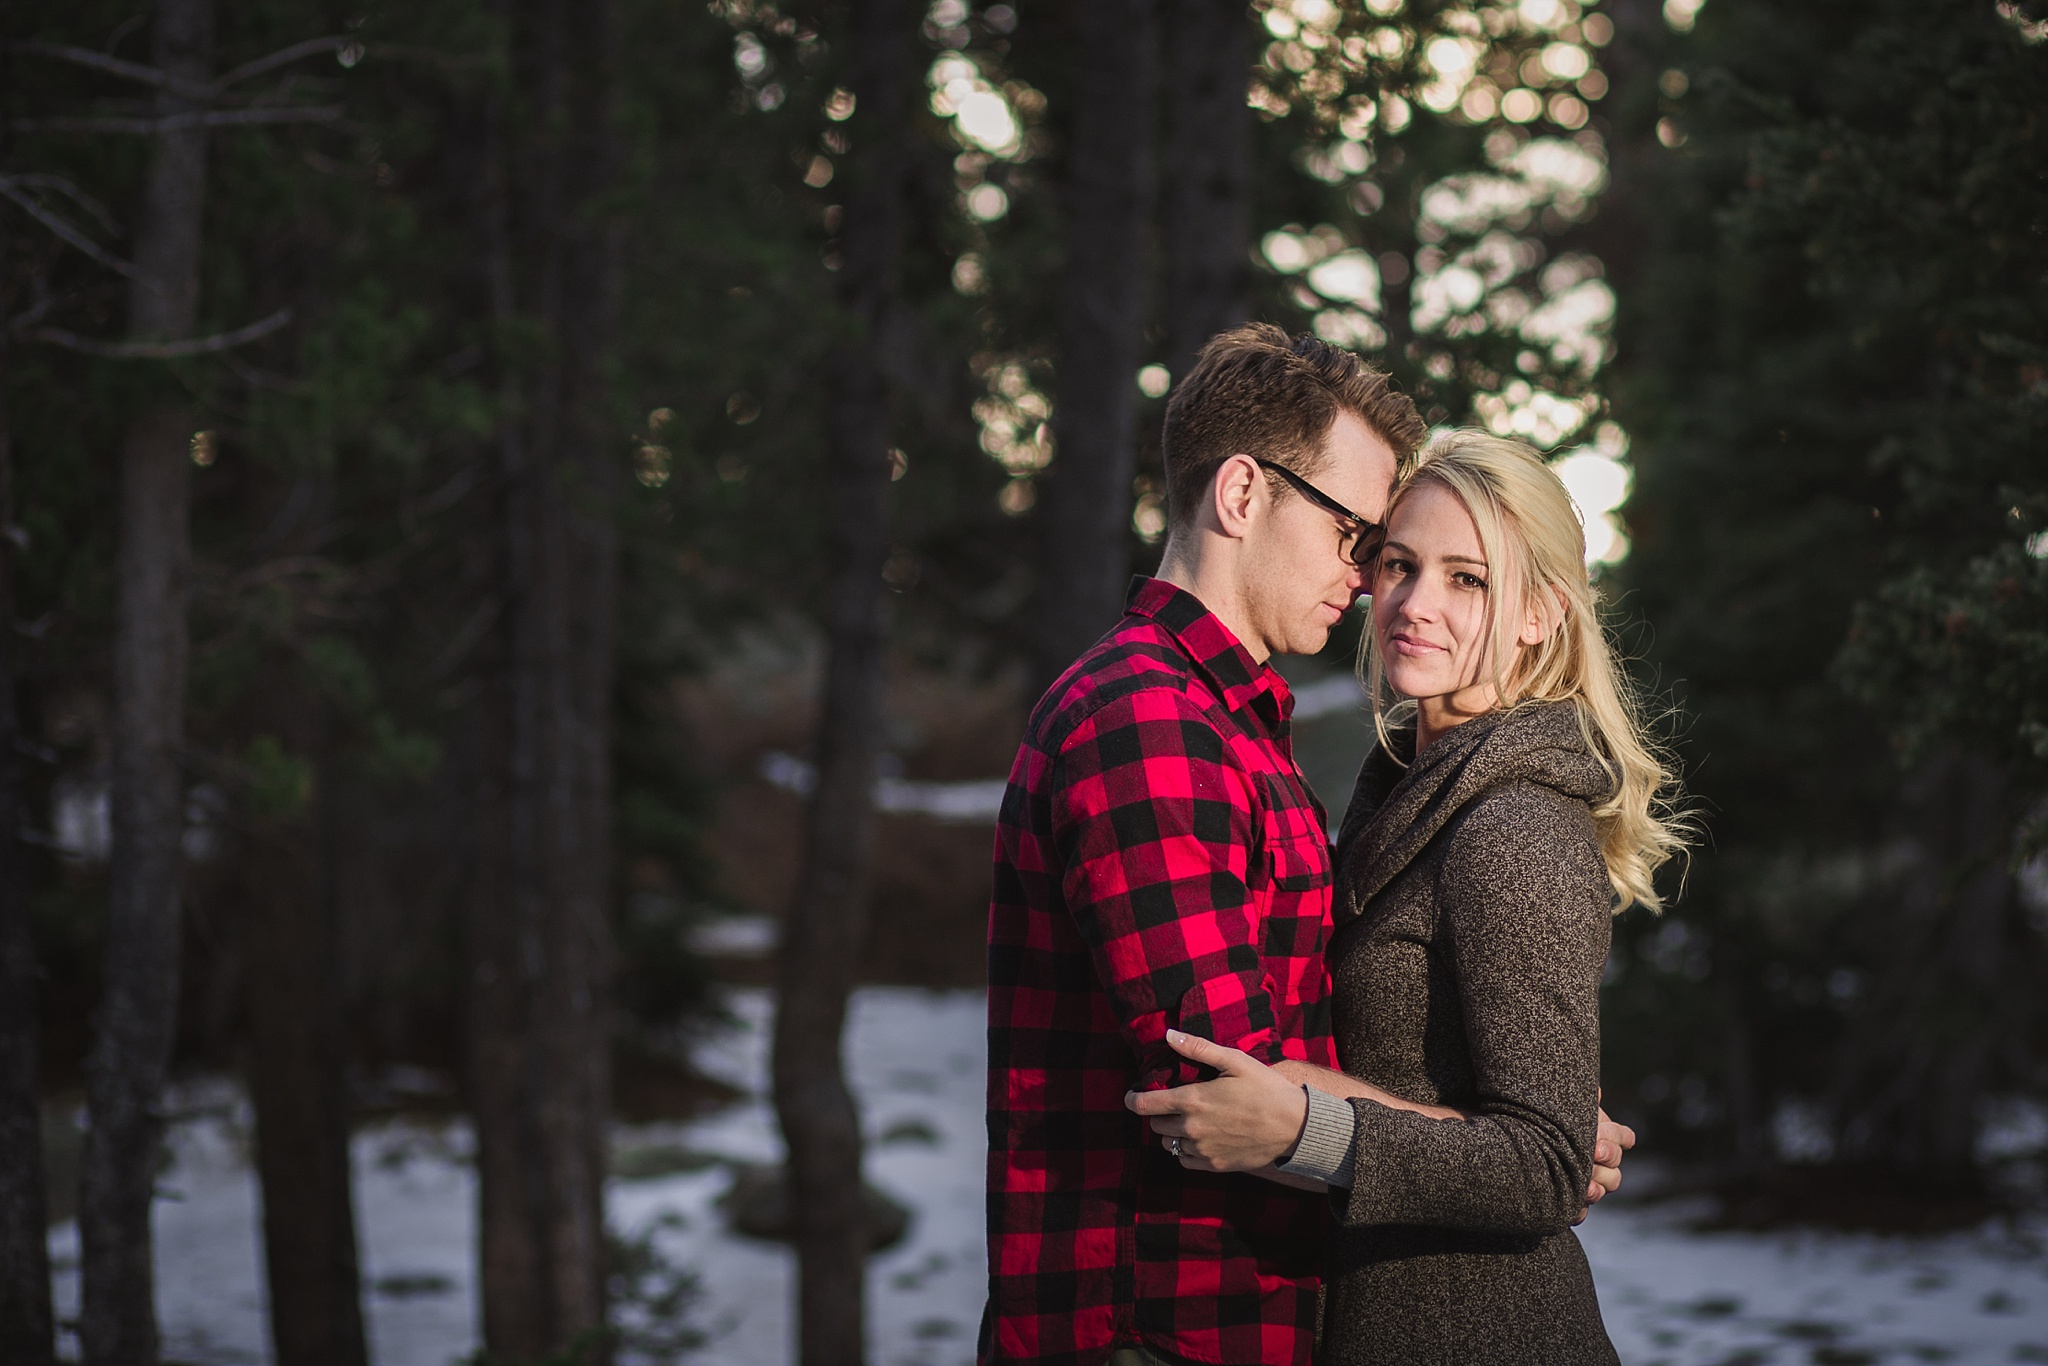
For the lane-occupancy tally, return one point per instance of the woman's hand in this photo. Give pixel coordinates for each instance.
(1249, 1117)
(1610, 1143)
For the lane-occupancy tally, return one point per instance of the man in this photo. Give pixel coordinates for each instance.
(1160, 864)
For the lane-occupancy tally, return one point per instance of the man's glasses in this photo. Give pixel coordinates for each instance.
(1362, 546)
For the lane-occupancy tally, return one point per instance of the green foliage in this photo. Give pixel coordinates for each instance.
(1832, 360)
(653, 1299)
(1824, 360)
(345, 608)
(277, 785)
(1922, 213)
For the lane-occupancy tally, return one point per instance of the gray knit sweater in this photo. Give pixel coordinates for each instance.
(1472, 913)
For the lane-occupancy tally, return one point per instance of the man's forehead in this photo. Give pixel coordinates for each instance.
(1361, 457)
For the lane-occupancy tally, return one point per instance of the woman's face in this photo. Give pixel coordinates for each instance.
(1429, 600)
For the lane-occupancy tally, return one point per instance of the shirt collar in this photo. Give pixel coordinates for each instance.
(1218, 654)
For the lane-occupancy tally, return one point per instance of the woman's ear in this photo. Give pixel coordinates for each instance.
(1545, 614)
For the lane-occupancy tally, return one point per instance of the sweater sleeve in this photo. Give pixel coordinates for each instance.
(1523, 916)
(1324, 1149)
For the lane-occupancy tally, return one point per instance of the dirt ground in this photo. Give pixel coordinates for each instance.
(927, 915)
(929, 907)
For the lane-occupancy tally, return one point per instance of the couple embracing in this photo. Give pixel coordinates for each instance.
(1252, 1102)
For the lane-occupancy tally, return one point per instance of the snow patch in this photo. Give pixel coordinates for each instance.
(1671, 1296)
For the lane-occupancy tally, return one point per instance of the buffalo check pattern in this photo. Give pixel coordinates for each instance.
(1159, 864)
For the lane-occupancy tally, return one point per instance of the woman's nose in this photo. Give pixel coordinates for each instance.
(1418, 604)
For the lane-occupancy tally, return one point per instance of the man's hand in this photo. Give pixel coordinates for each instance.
(1611, 1141)
(1249, 1117)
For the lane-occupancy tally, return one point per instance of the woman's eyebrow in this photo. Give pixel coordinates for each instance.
(1407, 549)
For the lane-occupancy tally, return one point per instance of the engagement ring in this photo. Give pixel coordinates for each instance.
(1173, 1146)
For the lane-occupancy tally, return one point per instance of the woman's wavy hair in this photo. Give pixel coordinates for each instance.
(1535, 548)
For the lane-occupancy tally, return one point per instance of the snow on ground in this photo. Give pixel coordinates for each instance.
(1672, 1297)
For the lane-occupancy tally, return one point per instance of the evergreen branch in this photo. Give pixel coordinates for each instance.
(44, 180)
(208, 92)
(192, 346)
(284, 56)
(179, 85)
(447, 61)
(28, 317)
(114, 66)
(209, 118)
(263, 379)
(10, 189)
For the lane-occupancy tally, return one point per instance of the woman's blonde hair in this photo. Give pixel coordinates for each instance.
(1535, 548)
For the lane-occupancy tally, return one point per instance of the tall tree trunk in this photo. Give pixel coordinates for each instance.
(299, 1066)
(1108, 207)
(1939, 1013)
(1207, 188)
(138, 1003)
(539, 1025)
(826, 922)
(25, 1322)
(1746, 1114)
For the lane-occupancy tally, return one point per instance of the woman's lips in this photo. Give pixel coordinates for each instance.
(1402, 644)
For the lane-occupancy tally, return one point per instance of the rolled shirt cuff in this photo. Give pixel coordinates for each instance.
(1328, 1141)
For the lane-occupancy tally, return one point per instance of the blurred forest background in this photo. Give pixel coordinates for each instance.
(472, 467)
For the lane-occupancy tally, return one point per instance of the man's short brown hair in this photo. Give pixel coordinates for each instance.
(1258, 391)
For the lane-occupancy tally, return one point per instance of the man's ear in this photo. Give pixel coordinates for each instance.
(1236, 494)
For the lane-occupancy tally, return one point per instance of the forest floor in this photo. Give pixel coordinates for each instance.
(1672, 1294)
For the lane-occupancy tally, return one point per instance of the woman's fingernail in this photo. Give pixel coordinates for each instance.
(1174, 1036)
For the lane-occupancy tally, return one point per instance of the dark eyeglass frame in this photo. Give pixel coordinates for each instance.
(1364, 546)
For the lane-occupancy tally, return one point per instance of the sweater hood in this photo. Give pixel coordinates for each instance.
(1396, 811)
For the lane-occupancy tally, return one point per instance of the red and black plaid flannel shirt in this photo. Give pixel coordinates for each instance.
(1159, 864)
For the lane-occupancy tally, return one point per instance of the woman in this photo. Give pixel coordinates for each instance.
(1511, 806)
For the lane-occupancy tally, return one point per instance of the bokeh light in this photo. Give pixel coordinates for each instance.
(982, 114)
(1350, 277)
(1598, 478)
(1682, 14)
(1014, 416)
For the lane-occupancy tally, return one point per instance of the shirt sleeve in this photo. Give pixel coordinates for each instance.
(1523, 900)
(1155, 827)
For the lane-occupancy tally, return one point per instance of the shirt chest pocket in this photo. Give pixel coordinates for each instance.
(1297, 907)
(1297, 850)
(1300, 863)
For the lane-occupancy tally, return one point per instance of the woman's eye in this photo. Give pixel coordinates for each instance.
(1394, 565)
(1464, 580)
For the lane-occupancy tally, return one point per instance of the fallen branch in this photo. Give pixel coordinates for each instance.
(138, 350)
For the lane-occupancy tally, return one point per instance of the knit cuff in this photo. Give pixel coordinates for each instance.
(1324, 1151)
